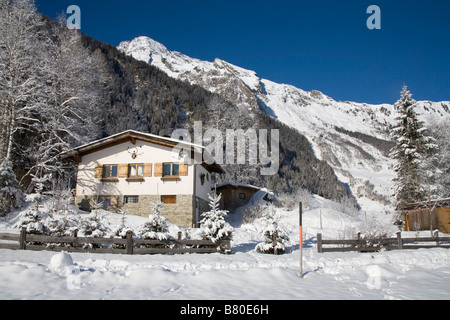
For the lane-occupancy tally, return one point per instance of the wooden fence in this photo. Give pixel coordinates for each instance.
(111, 245)
(374, 245)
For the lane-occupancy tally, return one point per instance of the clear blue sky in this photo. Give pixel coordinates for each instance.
(314, 44)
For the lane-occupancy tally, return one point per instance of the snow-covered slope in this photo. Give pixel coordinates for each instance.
(350, 136)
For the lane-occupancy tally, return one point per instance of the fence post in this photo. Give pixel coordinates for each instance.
(23, 239)
(319, 243)
(129, 242)
(399, 241)
(436, 236)
(75, 235)
(300, 231)
(358, 238)
(180, 234)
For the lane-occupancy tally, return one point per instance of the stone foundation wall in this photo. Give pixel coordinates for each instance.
(179, 213)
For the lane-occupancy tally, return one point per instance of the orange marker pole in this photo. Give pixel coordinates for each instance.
(301, 238)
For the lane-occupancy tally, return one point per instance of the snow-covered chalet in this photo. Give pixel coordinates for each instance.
(133, 170)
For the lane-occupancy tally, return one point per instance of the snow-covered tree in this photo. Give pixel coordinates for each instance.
(64, 225)
(275, 238)
(37, 196)
(92, 226)
(69, 101)
(20, 72)
(213, 225)
(34, 221)
(439, 179)
(121, 230)
(51, 88)
(10, 194)
(410, 152)
(156, 228)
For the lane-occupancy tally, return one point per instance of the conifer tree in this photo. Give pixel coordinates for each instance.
(410, 152)
(10, 194)
(275, 238)
(156, 228)
(213, 225)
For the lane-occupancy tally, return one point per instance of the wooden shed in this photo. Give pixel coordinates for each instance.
(235, 195)
(428, 215)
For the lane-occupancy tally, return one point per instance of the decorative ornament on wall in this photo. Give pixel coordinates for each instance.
(202, 178)
(134, 153)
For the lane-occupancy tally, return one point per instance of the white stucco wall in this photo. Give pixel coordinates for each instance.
(88, 185)
(202, 191)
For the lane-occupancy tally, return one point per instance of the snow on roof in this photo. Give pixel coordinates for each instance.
(427, 204)
(234, 184)
(243, 185)
(137, 133)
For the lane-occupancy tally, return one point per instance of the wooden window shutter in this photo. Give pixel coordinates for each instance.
(98, 172)
(123, 171)
(183, 169)
(147, 170)
(169, 199)
(158, 169)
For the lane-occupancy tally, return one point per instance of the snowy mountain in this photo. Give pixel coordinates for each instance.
(351, 137)
(236, 84)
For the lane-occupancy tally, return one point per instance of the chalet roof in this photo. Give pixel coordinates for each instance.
(132, 136)
(428, 204)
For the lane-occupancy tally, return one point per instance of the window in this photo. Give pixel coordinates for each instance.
(131, 199)
(171, 170)
(105, 202)
(136, 170)
(110, 171)
(242, 196)
(169, 199)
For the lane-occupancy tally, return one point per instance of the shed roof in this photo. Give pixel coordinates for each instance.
(428, 204)
(236, 185)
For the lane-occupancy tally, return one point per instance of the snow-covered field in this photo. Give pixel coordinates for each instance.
(242, 275)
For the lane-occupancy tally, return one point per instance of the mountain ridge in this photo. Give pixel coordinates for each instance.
(338, 131)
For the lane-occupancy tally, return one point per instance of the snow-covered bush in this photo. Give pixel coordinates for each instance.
(92, 226)
(276, 238)
(289, 201)
(156, 228)
(10, 195)
(348, 206)
(59, 201)
(64, 225)
(121, 230)
(213, 225)
(255, 208)
(374, 228)
(251, 213)
(34, 221)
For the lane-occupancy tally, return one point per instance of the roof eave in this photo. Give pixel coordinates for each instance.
(131, 135)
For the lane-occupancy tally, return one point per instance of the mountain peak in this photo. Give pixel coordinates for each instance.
(143, 48)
